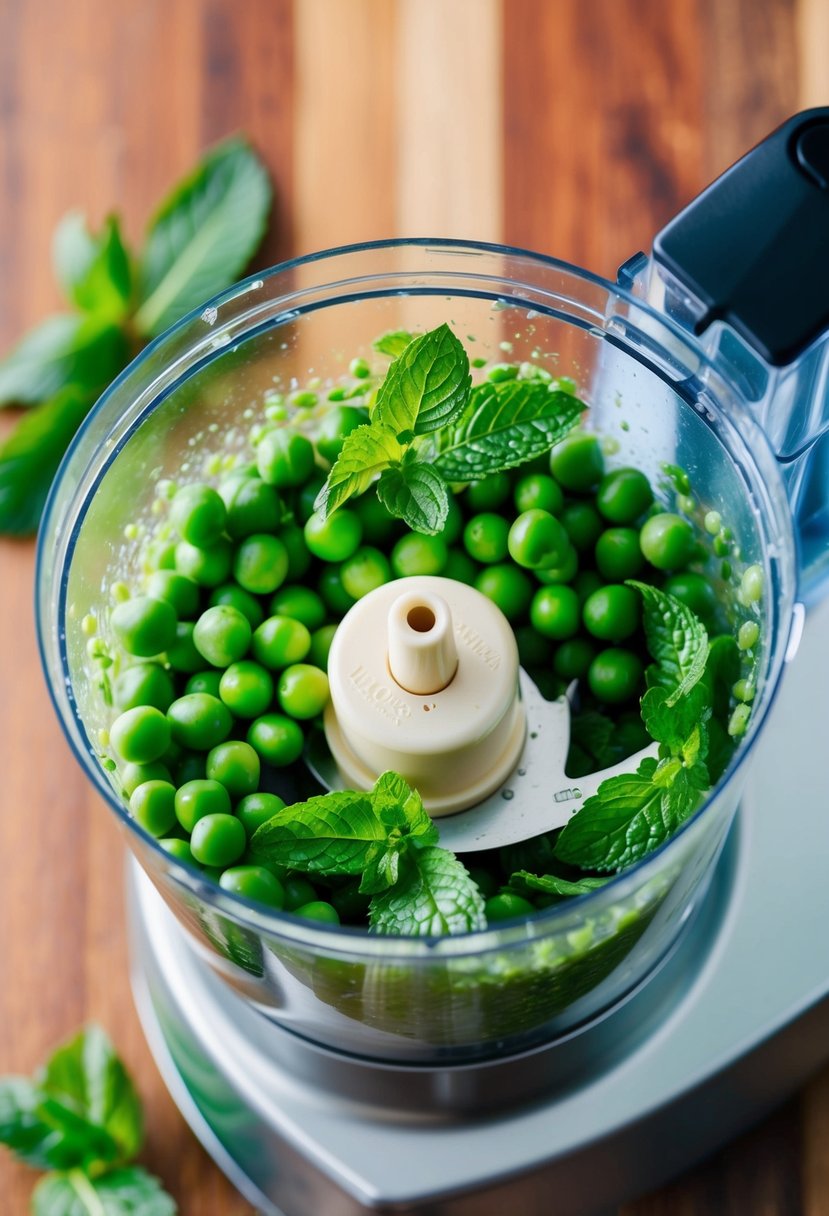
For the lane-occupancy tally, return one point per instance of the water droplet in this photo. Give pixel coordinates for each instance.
(507, 794)
(522, 772)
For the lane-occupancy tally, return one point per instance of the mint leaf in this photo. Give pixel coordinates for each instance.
(382, 872)
(392, 343)
(94, 271)
(426, 387)
(86, 351)
(679, 725)
(627, 818)
(203, 235)
(416, 493)
(524, 883)
(365, 453)
(26, 1132)
(435, 895)
(397, 805)
(336, 833)
(677, 640)
(505, 424)
(30, 456)
(124, 1192)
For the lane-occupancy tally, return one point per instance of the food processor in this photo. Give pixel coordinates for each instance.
(590, 1052)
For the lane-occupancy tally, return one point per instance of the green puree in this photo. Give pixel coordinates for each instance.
(217, 654)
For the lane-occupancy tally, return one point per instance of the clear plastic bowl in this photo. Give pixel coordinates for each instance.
(502, 990)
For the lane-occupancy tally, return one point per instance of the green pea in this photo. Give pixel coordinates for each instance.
(667, 541)
(365, 571)
(538, 541)
(460, 566)
(254, 883)
(197, 798)
(179, 850)
(235, 765)
(236, 597)
(618, 556)
(359, 369)
(337, 423)
(335, 538)
(140, 735)
(218, 840)
(246, 689)
(199, 721)
(303, 691)
(132, 775)
(176, 589)
(615, 675)
(300, 604)
(508, 588)
(333, 593)
(260, 564)
(144, 684)
(555, 613)
(612, 613)
(536, 492)
(486, 538)
(573, 658)
(198, 514)
(152, 805)
(285, 458)
(280, 641)
(278, 740)
(321, 640)
(256, 809)
(183, 655)
(299, 559)
(144, 625)
(748, 636)
(205, 681)
(564, 572)
(752, 584)
(252, 506)
(582, 523)
(489, 493)
(191, 767)
(222, 635)
(624, 495)
(507, 906)
(298, 891)
(453, 527)
(209, 566)
(418, 554)
(694, 590)
(585, 583)
(577, 462)
(318, 910)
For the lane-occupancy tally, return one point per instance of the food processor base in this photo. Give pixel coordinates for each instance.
(733, 1021)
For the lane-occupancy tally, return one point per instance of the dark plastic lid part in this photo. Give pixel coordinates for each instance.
(754, 247)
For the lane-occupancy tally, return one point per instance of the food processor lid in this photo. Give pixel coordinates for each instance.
(753, 249)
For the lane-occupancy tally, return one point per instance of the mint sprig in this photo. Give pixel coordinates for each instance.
(80, 1116)
(676, 638)
(393, 343)
(435, 895)
(198, 243)
(417, 494)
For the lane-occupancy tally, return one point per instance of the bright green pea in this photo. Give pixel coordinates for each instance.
(336, 538)
(256, 809)
(624, 495)
(319, 910)
(418, 554)
(299, 559)
(176, 589)
(254, 883)
(667, 541)
(489, 493)
(197, 798)
(209, 567)
(246, 689)
(133, 775)
(335, 425)
(618, 556)
(555, 612)
(744, 690)
(694, 590)
(615, 676)
(199, 721)
(236, 597)
(537, 492)
(285, 458)
(486, 538)
(365, 571)
(303, 691)
(508, 588)
(321, 640)
(280, 641)
(298, 891)
(144, 684)
(198, 514)
(300, 604)
(564, 572)
(359, 368)
(278, 740)
(712, 522)
(583, 525)
(235, 765)
(507, 906)
(738, 721)
(152, 806)
(222, 635)
(260, 564)
(140, 735)
(577, 462)
(537, 540)
(748, 635)
(751, 584)
(179, 850)
(330, 587)
(218, 840)
(205, 681)
(460, 566)
(252, 506)
(144, 625)
(612, 613)
(305, 499)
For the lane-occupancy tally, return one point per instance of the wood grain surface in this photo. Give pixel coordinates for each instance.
(575, 127)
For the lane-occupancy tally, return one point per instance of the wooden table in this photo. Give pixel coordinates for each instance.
(576, 127)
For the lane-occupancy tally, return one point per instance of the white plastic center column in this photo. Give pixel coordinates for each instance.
(424, 681)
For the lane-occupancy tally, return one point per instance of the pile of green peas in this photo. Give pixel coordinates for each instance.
(220, 657)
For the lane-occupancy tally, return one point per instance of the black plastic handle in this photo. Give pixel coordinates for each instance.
(754, 247)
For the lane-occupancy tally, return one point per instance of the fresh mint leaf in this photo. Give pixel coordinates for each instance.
(524, 883)
(123, 1192)
(382, 872)
(332, 834)
(676, 638)
(433, 896)
(628, 817)
(426, 387)
(504, 425)
(679, 726)
(393, 343)
(397, 805)
(203, 235)
(94, 271)
(416, 493)
(30, 456)
(365, 453)
(25, 1132)
(86, 352)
